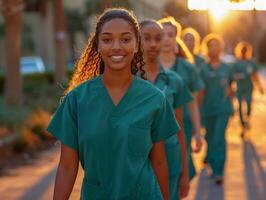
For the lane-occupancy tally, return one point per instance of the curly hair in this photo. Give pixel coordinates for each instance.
(207, 39)
(240, 47)
(90, 63)
(195, 35)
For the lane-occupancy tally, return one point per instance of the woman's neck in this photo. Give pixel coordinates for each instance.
(215, 62)
(152, 69)
(116, 79)
(167, 59)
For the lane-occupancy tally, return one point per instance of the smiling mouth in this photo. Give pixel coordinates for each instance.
(117, 58)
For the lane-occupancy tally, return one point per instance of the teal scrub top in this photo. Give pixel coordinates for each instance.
(199, 60)
(216, 81)
(114, 142)
(178, 95)
(190, 76)
(243, 70)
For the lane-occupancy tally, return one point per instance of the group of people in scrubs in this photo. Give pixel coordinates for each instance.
(134, 108)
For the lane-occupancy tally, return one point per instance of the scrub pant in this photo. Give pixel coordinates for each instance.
(215, 137)
(244, 97)
(174, 184)
(174, 158)
(188, 128)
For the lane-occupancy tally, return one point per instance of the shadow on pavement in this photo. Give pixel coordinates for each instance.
(255, 175)
(207, 189)
(39, 188)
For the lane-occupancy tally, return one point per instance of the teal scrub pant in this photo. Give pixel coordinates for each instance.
(188, 128)
(215, 137)
(244, 97)
(174, 184)
(174, 158)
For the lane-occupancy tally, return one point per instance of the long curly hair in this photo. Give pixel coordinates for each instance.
(90, 63)
(183, 51)
(195, 35)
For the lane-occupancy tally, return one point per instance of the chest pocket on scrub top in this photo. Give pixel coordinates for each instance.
(139, 141)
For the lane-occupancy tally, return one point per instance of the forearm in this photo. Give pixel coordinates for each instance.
(195, 117)
(182, 141)
(256, 79)
(160, 166)
(64, 182)
(66, 173)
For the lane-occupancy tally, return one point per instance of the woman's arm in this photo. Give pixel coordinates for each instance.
(256, 79)
(195, 118)
(66, 173)
(184, 180)
(159, 164)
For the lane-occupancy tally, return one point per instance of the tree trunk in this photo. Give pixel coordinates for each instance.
(12, 12)
(60, 38)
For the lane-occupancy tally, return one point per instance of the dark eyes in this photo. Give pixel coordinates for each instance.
(126, 40)
(123, 40)
(106, 40)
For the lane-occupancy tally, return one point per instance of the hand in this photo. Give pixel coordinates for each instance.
(184, 185)
(261, 90)
(198, 143)
(229, 92)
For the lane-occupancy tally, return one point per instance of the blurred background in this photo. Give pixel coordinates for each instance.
(40, 40)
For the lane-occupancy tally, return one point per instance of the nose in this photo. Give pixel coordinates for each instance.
(153, 43)
(116, 45)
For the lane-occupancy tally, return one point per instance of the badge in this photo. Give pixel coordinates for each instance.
(212, 74)
(224, 82)
(249, 69)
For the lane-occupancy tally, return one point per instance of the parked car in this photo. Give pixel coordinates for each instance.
(31, 65)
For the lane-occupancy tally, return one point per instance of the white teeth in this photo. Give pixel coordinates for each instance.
(117, 58)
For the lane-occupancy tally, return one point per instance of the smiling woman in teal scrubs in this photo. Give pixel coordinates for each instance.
(246, 74)
(112, 121)
(216, 103)
(175, 57)
(178, 95)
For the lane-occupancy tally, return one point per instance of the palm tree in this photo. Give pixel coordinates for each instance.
(60, 38)
(12, 13)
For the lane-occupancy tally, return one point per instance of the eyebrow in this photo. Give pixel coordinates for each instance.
(108, 33)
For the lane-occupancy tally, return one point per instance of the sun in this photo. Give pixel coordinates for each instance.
(217, 12)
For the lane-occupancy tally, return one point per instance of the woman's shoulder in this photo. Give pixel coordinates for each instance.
(173, 76)
(85, 86)
(146, 88)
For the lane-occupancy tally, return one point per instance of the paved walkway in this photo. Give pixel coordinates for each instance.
(245, 171)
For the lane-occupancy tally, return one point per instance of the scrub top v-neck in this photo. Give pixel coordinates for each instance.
(216, 81)
(114, 142)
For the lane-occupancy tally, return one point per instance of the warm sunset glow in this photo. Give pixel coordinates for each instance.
(227, 4)
(242, 5)
(218, 11)
(198, 4)
(260, 5)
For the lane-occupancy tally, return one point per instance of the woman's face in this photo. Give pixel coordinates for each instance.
(244, 52)
(151, 35)
(214, 49)
(169, 38)
(117, 44)
(189, 41)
